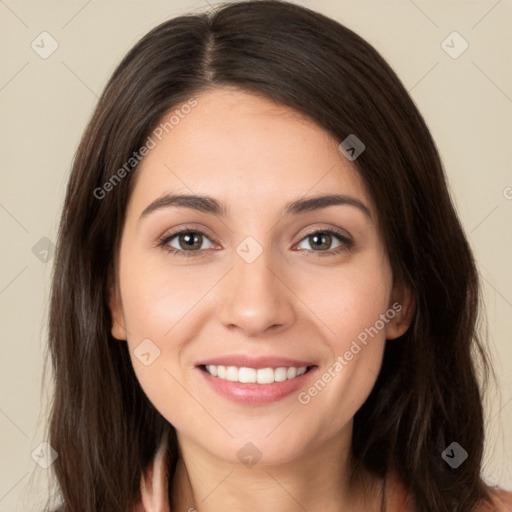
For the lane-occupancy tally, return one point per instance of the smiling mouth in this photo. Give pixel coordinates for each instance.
(246, 375)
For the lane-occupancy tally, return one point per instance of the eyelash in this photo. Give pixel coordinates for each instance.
(346, 243)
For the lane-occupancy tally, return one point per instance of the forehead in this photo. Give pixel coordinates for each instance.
(244, 149)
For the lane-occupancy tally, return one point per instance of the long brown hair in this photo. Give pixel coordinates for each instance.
(102, 425)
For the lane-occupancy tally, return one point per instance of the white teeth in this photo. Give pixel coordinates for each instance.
(301, 371)
(265, 376)
(232, 373)
(291, 373)
(280, 374)
(253, 375)
(246, 375)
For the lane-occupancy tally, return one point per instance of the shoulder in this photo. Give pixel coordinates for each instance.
(400, 498)
(501, 501)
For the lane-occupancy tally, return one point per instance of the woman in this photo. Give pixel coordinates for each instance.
(263, 296)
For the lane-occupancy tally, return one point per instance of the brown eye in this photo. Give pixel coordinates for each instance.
(190, 240)
(186, 242)
(320, 241)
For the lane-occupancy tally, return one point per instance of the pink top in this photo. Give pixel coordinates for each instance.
(154, 491)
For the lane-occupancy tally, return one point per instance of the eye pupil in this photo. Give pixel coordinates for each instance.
(190, 240)
(316, 237)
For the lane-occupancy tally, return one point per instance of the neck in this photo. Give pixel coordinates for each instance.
(318, 480)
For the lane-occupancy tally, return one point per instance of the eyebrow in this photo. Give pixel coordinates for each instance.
(208, 204)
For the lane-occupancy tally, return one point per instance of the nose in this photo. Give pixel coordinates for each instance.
(255, 297)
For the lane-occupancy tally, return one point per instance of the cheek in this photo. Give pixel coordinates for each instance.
(348, 302)
(353, 311)
(165, 309)
(155, 304)
(156, 297)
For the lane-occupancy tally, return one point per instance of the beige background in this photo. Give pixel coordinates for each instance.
(45, 104)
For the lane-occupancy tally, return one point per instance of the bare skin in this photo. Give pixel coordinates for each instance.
(294, 300)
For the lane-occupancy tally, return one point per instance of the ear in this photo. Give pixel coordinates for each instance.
(403, 304)
(116, 313)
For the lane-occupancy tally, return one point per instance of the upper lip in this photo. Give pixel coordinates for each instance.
(246, 361)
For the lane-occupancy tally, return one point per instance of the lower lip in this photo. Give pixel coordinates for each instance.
(250, 393)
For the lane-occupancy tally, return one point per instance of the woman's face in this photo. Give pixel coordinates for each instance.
(257, 285)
